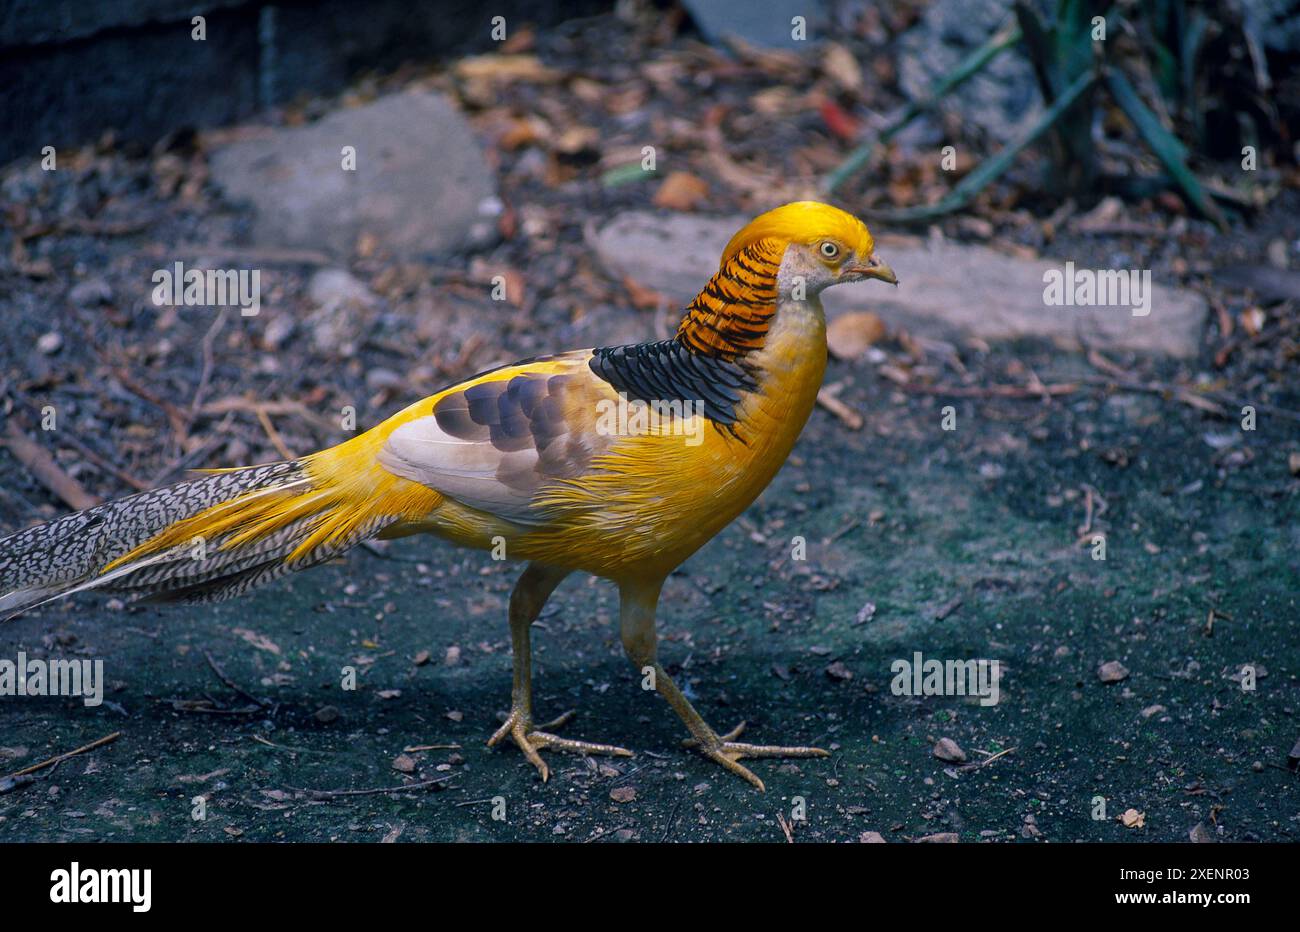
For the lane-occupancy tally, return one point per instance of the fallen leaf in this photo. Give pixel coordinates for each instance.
(849, 335)
(1108, 211)
(523, 132)
(577, 139)
(949, 750)
(513, 286)
(505, 69)
(841, 67)
(520, 40)
(1252, 321)
(261, 642)
(681, 191)
(1133, 819)
(838, 671)
(838, 120)
(643, 297)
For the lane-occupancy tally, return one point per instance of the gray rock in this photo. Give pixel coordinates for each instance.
(759, 22)
(1002, 98)
(331, 289)
(421, 183)
(1273, 23)
(380, 378)
(338, 319)
(946, 289)
(91, 292)
(50, 343)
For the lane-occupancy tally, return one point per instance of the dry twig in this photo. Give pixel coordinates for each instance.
(46, 470)
(60, 758)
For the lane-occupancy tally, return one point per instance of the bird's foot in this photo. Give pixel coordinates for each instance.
(532, 739)
(728, 752)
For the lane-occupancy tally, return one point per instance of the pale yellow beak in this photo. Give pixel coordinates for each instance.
(874, 267)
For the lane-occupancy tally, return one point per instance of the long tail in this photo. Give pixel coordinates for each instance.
(212, 537)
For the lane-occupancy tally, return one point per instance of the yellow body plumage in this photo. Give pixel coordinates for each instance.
(523, 458)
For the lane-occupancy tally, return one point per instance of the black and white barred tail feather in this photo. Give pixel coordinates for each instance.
(70, 554)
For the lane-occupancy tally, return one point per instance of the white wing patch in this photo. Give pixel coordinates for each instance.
(465, 470)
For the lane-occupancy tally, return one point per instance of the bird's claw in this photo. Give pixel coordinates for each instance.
(531, 739)
(728, 753)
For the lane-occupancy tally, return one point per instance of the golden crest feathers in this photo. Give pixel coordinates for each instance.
(804, 222)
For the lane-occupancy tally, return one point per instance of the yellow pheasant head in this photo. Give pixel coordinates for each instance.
(789, 254)
(837, 244)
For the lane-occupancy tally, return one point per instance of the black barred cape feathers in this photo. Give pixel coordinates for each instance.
(705, 361)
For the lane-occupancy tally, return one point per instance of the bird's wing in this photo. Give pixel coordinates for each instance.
(494, 441)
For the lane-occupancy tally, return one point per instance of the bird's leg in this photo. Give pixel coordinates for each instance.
(637, 610)
(526, 601)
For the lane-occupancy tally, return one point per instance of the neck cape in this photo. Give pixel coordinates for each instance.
(706, 361)
(731, 316)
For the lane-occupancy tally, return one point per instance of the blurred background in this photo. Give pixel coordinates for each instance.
(430, 189)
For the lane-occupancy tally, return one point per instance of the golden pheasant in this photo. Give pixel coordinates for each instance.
(619, 461)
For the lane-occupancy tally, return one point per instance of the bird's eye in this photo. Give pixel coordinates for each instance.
(830, 250)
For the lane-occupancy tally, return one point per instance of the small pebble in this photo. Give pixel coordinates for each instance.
(838, 671)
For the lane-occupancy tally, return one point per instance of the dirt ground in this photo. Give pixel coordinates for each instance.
(963, 541)
(960, 544)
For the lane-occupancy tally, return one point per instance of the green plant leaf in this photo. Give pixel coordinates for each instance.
(1003, 39)
(991, 168)
(1171, 153)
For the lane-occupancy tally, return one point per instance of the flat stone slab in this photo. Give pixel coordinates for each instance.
(759, 22)
(946, 288)
(421, 183)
